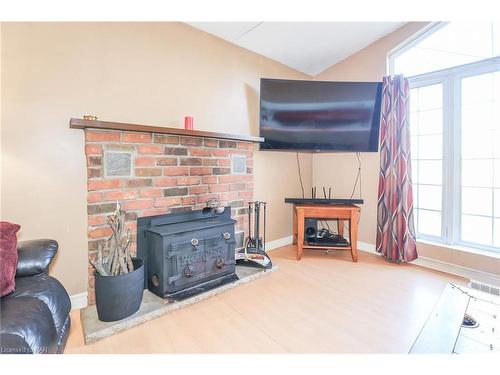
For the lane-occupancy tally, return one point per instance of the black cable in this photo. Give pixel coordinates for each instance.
(360, 184)
(323, 222)
(358, 177)
(300, 175)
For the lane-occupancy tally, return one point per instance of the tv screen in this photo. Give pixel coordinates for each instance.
(319, 116)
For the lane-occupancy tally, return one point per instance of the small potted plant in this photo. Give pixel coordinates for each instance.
(119, 278)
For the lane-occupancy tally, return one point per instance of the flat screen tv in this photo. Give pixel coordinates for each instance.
(319, 116)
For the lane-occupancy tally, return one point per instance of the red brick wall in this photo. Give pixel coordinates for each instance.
(168, 174)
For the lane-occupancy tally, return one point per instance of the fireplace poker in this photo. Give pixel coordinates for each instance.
(253, 253)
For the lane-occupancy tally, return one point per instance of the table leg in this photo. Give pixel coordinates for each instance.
(300, 233)
(294, 225)
(353, 234)
(340, 227)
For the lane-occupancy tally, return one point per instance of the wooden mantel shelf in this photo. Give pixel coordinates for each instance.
(77, 123)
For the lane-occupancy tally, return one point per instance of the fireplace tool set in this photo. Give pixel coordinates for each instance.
(254, 253)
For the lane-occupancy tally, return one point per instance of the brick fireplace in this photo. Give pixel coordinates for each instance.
(153, 173)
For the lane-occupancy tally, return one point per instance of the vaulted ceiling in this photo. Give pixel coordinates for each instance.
(309, 47)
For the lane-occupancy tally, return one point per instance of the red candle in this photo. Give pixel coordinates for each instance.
(188, 122)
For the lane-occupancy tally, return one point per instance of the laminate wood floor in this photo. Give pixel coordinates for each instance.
(321, 304)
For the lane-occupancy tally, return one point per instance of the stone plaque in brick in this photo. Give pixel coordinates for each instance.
(239, 164)
(118, 164)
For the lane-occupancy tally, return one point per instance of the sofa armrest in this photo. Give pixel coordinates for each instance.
(35, 256)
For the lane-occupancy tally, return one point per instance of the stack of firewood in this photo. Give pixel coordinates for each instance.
(115, 259)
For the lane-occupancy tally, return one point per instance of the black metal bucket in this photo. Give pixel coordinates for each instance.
(118, 297)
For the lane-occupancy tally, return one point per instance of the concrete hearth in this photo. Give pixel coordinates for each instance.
(153, 307)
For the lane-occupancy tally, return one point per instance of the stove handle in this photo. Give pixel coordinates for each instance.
(219, 263)
(188, 271)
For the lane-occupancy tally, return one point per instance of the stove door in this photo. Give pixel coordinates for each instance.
(219, 251)
(185, 262)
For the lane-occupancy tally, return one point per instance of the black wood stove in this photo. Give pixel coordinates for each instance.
(187, 253)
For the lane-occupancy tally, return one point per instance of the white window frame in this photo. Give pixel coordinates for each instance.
(409, 43)
(422, 82)
(451, 83)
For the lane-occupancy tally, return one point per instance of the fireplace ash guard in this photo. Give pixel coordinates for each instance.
(187, 253)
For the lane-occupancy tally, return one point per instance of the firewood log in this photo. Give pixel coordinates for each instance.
(117, 260)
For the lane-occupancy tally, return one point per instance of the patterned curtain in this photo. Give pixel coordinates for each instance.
(395, 227)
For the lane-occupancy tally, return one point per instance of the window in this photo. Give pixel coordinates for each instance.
(426, 121)
(454, 75)
(480, 159)
(447, 45)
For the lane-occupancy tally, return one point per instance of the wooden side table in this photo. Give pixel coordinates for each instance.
(341, 212)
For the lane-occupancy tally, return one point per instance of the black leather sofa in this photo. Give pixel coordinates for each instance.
(34, 318)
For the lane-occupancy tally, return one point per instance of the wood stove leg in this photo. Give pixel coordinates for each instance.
(300, 233)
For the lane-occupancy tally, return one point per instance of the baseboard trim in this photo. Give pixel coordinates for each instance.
(280, 242)
(453, 269)
(78, 301)
(367, 247)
